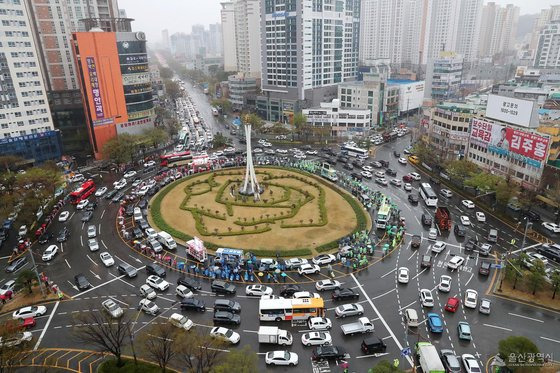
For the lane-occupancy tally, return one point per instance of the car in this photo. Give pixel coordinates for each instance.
(106, 259)
(87, 215)
(77, 178)
(281, 358)
(224, 317)
(45, 237)
(316, 339)
(308, 269)
(117, 197)
(413, 198)
(471, 298)
(407, 187)
(81, 282)
(305, 294)
(258, 290)
(112, 308)
(150, 163)
(344, 293)
(118, 186)
(554, 228)
(470, 363)
(155, 269)
(16, 264)
(350, 309)
(444, 284)
(485, 305)
(452, 304)
(225, 334)
(319, 323)
(367, 168)
(450, 361)
(380, 174)
(8, 287)
(12, 340)
(91, 231)
(485, 249)
(22, 231)
(446, 193)
(366, 174)
(438, 247)
(63, 216)
(468, 203)
(426, 220)
(82, 204)
(148, 307)
(30, 311)
(127, 270)
(381, 181)
(426, 298)
(460, 230)
(532, 257)
(190, 283)
(348, 167)
(480, 217)
(193, 304)
(93, 244)
(434, 322)
(391, 172)
(415, 176)
(432, 233)
(324, 259)
(130, 174)
(101, 191)
(402, 275)
(396, 182)
(327, 285)
(403, 160)
(180, 321)
(219, 286)
(484, 268)
(426, 261)
(294, 262)
(455, 262)
(227, 305)
(157, 283)
(328, 353)
(111, 194)
(465, 220)
(531, 215)
(150, 233)
(50, 253)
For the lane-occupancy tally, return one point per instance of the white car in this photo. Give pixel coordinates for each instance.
(470, 363)
(402, 160)
(135, 183)
(366, 174)
(101, 191)
(130, 174)
(281, 151)
(446, 193)
(305, 294)
(465, 220)
(367, 168)
(50, 253)
(402, 275)
(319, 323)
(444, 284)
(468, 203)
(471, 298)
(183, 292)
(380, 174)
(149, 164)
(324, 259)
(120, 184)
(480, 217)
(16, 339)
(281, 358)
(107, 259)
(82, 204)
(258, 290)
(407, 187)
(180, 321)
(311, 152)
(7, 287)
(554, 228)
(455, 262)
(148, 307)
(93, 244)
(31, 311)
(426, 298)
(151, 233)
(415, 176)
(157, 283)
(432, 234)
(350, 309)
(308, 269)
(295, 262)
(396, 182)
(534, 256)
(438, 246)
(327, 285)
(63, 216)
(316, 339)
(225, 334)
(91, 231)
(147, 292)
(77, 177)
(112, 308)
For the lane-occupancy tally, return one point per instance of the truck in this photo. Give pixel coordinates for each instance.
(428, 358)
(274, 335)
(166, 240)
(363, 325)
(443, 218)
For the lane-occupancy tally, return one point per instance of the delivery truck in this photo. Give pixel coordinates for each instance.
(428, 358)
(274, 335)
(363, 325)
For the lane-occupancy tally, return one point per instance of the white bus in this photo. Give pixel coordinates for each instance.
(383, 216)
(353, 151)
(428, 195)
(290, 309)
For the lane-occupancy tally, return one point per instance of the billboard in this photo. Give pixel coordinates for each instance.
(95, 90)
(528, 147)
(510, 110)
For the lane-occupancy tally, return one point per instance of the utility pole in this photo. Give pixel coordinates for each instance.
(527, 225)
(35, 270)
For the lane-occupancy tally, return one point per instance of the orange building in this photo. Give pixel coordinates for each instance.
(99, 76)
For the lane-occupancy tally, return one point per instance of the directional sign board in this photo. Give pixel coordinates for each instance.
(498, 266)
(405, 351)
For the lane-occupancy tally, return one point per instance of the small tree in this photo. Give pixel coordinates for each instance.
(555, 281)
(159, 344)
(516, 345)
(11, 355)
(25, 279)
(199, 352)
(242, 360)
(536, 276)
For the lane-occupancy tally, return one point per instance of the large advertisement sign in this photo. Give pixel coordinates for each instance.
(509, 110)
(138, 78)
(95, 90)
(525, 146)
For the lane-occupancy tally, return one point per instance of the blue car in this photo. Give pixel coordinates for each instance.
(434, 323)
(7, 224)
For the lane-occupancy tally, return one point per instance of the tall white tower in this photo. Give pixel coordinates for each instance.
(251, 184)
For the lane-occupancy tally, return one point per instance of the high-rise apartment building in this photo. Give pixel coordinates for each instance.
(165, 39)
(248, 36)
(547, 54)
(545, 17)
(26, 127)
(214, 39)
(307, 48)
(498, 27)
(468, 29)
(228, 36)
(442, 29)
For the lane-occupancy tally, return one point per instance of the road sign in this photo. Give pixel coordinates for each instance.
(497, 266)
(406, 351)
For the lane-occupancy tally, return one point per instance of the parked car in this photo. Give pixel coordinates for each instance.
(81, 282)
(16, 264)
(30, 311)
(219, 286)
(344, 293)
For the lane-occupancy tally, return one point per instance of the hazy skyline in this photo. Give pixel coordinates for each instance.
(181, 15)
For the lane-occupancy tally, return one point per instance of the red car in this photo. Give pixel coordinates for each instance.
(407, 178)
(27, 323)
(452, 304)
(6, 296)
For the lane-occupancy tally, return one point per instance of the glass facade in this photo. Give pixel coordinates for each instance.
(38, 147)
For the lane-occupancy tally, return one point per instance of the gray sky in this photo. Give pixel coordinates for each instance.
(179, 15)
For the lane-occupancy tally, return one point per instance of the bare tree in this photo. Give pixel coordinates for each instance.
(107, 334)
(11, 354)
(199, 353)
(159, 344)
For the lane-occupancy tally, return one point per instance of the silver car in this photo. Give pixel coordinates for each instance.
(91, 231)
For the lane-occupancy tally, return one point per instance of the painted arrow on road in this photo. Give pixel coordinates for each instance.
(95, 274)
(138, 260)
(74, 286)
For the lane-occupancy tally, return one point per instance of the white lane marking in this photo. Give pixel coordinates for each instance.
(524, 317)
(103, 213)
(68, 264)
(550, 339)
(388, 273)
(373, 355)
(408, 305)
(105, 246)
(95, 275)
(121, 260)
(497, 327)
(381, 295)
(250, 331)
(82, 240)
(414, 253)
(91, 260)
(419, 273)
(128, 283)
(100, 285)
(99, 228)
(46, 326)
(120, 301)
(387, 337)
(61, 248)
(397, 342)
(469, 280)
(71, 215)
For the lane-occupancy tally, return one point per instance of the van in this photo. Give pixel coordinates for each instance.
(411, 317)
(138, 214)
(493, 235)
(373, 345)
(166, 240)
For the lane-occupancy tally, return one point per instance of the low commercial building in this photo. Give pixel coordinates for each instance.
(443, 77)
(242, 91)
(342, 122)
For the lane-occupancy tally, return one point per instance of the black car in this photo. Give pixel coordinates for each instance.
(460, 230)
(110, 194)
(45, 237)
(81, 282)
(396, 154)
(413, 198)
(426, 220)
(391, 172)
(63, 235)
(345, 293)
(356, 176)
(223, 317)
(220, 286)
(190, 283)
(153, 190)
(373, 345)
(348, 166)
(426, 261)
(288, 291)
(328, 353)
(127, 269)
(91, 206)
(384, 163)
(143, 204)
(193, 304)
(87, 215)
(471, 244)
(531, 215)
(358, 163)
(137, 233)
(3, 233)
(551, 252)
(415, 241)
(484, 268)
(155, 269)
(16, 264)
(227, 305)
(129, 211)
(450, 362)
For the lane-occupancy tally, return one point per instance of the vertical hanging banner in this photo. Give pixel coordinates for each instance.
(95, 90)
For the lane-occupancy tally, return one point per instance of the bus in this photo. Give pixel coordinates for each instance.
(328, 172)
(291, 309)
(353, 151)
(83, 192)
(383, 215)
(168, 160)
(428, 195)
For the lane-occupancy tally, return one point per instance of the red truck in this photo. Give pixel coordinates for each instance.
(443, 218)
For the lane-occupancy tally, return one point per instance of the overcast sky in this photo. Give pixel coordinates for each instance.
(179, 15)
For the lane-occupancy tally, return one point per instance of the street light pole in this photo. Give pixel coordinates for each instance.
(36, 272)
(527, 225)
